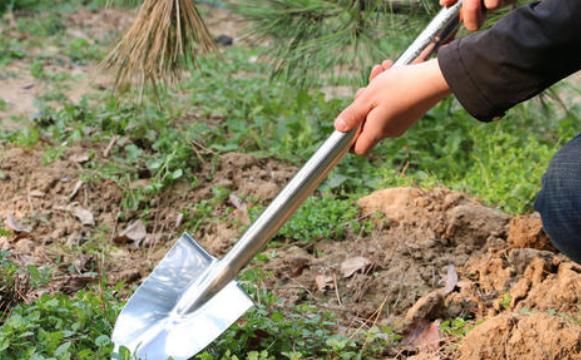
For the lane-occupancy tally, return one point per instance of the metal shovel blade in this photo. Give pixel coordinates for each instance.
(191, 298)
(150, 327)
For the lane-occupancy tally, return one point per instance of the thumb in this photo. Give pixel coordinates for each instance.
(352, 116)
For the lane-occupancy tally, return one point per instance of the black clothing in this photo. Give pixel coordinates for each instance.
(559, 201)
(525, 52)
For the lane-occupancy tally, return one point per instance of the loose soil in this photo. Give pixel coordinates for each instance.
(399, 275)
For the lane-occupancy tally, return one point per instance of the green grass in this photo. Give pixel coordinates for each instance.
(326, 217)
(500, 163)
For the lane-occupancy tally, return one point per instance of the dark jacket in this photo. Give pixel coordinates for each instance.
(521, 55)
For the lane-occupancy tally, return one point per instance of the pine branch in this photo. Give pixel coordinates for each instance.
(317, 40)
(330, 41)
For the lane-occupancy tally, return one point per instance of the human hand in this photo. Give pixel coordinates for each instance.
(473, 11)
(392, 102)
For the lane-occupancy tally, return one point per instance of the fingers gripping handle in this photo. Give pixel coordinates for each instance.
(437, 31)
(309, 177)
(326, 157)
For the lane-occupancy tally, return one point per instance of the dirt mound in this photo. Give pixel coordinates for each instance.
(439, 255)
(44, 198)
(535, 336)
(439, 213)
(426, 232)
(521, 279)
(527, 232)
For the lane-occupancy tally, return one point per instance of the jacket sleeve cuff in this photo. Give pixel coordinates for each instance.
(462, 85)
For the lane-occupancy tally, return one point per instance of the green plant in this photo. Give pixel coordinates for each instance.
(82, 51)
(3, 104)
(316, 40)
(52, 154)
(56, 326)
(303, 332)
(16, 281)
(37, 69)
(324, 218)
(42, 25)
(10, 49)
(457, 327)
(505, 301)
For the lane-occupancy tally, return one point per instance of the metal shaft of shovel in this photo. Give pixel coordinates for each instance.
(190, 297)
(303, 183)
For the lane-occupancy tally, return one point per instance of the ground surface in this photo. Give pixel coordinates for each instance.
(449, 277)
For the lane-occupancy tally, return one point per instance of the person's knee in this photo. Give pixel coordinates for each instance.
(559, 201)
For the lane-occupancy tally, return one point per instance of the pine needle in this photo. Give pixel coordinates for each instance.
(165, 37)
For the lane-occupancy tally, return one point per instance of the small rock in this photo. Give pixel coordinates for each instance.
(224, 40)
(428, 307)
(473, 224)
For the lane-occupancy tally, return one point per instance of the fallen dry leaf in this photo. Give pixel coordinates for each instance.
(236, 201)
(324, 282)
(37, 194)
(15, 225)
(79, 158)
(134, 232)
(76, 189)
(353, 265)
(109, 147)
(83, 215)
(241, 208)
(179, 220)
(451, 279)
(424, 335)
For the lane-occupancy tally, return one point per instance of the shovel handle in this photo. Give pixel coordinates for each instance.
(310, 175)
(327, 156)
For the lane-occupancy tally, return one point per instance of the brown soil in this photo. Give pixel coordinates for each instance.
(424, 233)
(535, 336)
(527, 232)
(19, 89)
(393, 276)
(44, 200)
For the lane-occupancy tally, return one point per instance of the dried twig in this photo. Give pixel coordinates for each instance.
(337, 290)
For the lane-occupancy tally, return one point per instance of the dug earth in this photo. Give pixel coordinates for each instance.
(438, 255)
(433, 257)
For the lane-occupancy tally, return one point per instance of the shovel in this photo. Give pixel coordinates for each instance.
(191, 298)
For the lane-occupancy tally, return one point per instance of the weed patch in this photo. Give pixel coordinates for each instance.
(56, 326)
